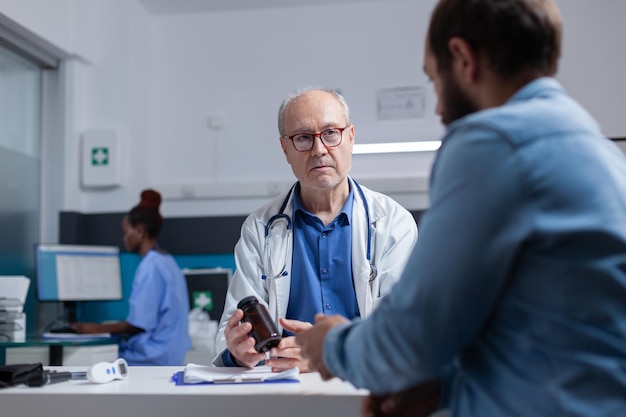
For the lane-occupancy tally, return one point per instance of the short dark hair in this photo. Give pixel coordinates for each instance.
(514, 35)
(147, 213)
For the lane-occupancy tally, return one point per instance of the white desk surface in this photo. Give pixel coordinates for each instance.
(148, 391)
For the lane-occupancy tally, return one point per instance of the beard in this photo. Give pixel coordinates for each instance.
(455, 103)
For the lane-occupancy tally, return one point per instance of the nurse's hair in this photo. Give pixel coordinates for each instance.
(147, 213)
(292, 96)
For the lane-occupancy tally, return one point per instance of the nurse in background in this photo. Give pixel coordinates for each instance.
(157, 323)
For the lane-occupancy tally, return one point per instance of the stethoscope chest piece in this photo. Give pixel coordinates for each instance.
(373, 272)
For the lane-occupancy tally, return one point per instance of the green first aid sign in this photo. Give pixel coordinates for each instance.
(203, 300)
(100, 156)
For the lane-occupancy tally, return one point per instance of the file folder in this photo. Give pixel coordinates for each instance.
(194, 374)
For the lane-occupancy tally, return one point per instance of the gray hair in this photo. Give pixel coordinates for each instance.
(294, 95)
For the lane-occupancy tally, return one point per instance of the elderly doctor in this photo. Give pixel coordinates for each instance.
(328, 245)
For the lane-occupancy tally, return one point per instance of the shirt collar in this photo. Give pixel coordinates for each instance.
(346, 210)
(537, 87)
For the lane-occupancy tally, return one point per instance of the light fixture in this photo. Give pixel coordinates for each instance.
(396, 147)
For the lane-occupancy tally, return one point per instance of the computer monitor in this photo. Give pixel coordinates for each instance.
(207, 289)
(71, 273)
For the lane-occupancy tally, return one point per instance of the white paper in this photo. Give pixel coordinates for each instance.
(13, 292)
(76, 336)
(201, 373)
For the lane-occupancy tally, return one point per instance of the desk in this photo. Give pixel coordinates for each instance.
(55, 347)
(148, 391)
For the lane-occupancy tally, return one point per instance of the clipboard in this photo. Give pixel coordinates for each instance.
(210, 375)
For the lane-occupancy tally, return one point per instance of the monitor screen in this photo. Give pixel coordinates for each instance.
(207, 289)
(78, 272)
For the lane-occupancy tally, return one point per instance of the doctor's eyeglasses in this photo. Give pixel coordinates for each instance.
(330, 138)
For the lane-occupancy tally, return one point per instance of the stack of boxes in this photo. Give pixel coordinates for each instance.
(13, 291)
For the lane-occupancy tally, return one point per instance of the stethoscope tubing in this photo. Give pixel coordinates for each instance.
(281, 215)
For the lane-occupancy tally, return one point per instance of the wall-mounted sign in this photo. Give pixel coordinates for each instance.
(400, 103)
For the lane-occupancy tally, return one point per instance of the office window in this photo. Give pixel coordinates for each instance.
(20, 161)
(20, 168)
(20, 97)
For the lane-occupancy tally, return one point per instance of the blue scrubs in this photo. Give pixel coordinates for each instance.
(158, 305)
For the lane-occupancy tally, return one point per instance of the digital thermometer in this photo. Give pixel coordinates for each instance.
(104, 372)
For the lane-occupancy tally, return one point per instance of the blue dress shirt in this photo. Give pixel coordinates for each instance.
(321, 277)
(519, 275)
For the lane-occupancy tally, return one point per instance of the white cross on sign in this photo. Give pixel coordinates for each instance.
(203, 300)
(100, 156)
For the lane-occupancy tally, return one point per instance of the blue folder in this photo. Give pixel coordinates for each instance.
(179, 379)
(194, 374)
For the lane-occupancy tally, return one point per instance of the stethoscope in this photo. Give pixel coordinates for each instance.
(283, 221)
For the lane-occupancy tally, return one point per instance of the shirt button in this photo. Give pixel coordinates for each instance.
(323, 235)
(324, 270)
(328, 306)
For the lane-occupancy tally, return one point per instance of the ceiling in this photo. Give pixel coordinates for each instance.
(166, 7)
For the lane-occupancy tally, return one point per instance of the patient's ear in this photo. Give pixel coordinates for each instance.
(464, 60)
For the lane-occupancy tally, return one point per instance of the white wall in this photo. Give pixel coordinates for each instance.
(593, 59)
(238, 66)
(106, 84)
(158, 80)
(112, 92)
(64, 23)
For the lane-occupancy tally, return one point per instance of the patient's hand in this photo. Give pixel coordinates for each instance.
(421, 400)
(287, 354)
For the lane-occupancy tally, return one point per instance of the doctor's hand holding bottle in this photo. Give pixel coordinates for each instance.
(282, 357)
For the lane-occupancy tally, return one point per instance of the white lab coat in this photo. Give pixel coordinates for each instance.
(394, 233)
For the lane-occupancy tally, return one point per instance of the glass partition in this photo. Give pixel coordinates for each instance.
(20, 167)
